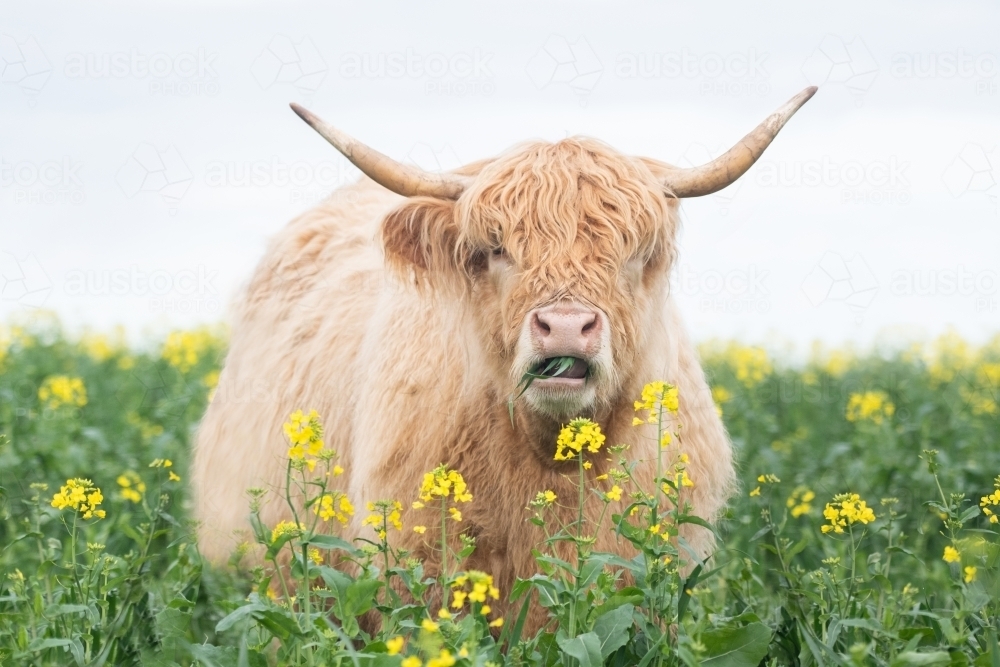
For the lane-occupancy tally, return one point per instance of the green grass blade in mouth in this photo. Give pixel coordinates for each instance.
(547, 368)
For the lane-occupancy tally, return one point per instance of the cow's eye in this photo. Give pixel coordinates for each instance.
(499, 252)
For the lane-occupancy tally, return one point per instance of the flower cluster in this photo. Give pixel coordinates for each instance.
(846, 509)
(286, 528)
(334, 505)
(80, 495)
(763, 479)
(475, 587)
(576, 435)
(443, 659)
(656, 396)
(132, 486)
(166, 463)
(443, 483)
(991, 501)
(544, 499)
(385, 513)
(678, 476)
(184, 349)
(305, 433)
(873, 406)
(60, 390)
(799, 503)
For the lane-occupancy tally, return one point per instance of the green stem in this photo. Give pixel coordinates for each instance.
(444, 544)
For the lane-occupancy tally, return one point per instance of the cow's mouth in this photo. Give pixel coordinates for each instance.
(555, 376)
(566, 368)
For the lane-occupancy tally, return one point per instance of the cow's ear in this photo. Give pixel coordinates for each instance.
(422, 236)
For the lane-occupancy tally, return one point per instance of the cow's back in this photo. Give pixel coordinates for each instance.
(297, 329)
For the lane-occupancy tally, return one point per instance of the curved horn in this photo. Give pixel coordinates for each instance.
(723, 170)
(400, 178)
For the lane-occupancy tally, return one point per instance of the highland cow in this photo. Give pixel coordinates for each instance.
(407, 307)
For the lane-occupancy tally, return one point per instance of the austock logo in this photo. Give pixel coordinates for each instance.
(975, 171)
(23, 64)
(860, 182)
(283, 61)
(183, 74)
(840, 62)
(457, 74)
(149, 170)
(733, 74)
(561, 62)
(839, 280)
(23, 281)
(979, 68)
(50, 182)
(177, 291)
(734, 291)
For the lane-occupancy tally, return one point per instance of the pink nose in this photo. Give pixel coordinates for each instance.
(566, 329)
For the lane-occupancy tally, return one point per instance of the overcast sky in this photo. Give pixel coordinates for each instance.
(147, 152)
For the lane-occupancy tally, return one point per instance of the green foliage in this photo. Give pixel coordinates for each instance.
(913, 434)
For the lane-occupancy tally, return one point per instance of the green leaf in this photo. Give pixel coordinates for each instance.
(628, 595)
(586, 649)
(612, 629)
(330, 542)
(916, 658)
(240, 613)
(685, 597)
(360, 596)
(736, 647)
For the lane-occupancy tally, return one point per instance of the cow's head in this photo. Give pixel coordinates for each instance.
(564, 250)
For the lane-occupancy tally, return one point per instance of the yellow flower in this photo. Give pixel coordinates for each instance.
(750, 364)
(394, 646)
(334, 506)
(417, 505)
(444, 614)
(474, 586)
(799, 501)
(587, 465)
(970, 574)
(286, 528)
(173, 477)
(305, 433)
(337, 471)
(455, 513)
(656, 396)
(845, 510)
(951, 555)
(61, 390)
(755, 492)
(497, 623)
(412, 661)
(132, 486)
(429, 625)
(873, 406)
(550, 496)
(485, 610)
(82, 496)
(184, 349)
(444, 659)
(442, 483)
(576, 435)
(614, 494)
(315, 556)
(420, 529)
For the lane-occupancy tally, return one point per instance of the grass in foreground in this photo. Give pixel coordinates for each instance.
(865, 532)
